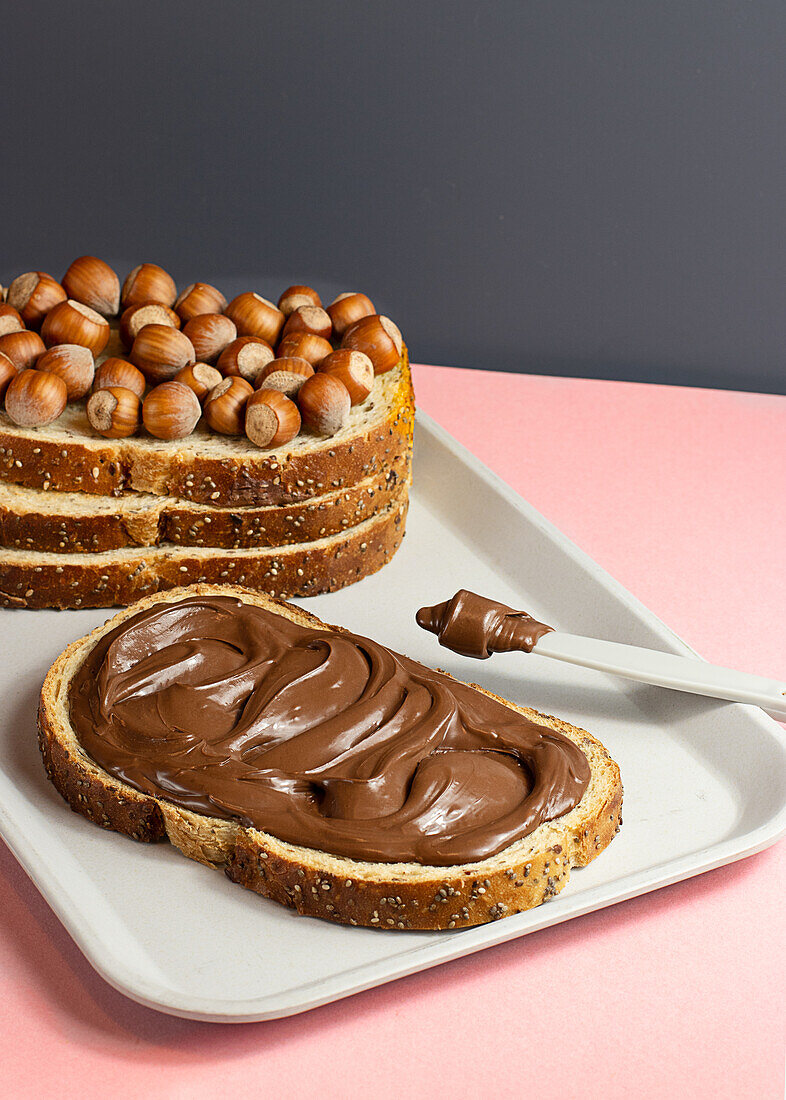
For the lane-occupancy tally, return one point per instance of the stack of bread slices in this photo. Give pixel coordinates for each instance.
(89, 521)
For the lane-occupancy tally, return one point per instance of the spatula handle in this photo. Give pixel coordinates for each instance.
(650, 666)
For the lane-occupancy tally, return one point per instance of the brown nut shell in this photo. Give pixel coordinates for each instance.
(210, 333)
(311, 319)
(354, 369)
(71, 322)
(255, 316)
(199, 298)
(324, 404)
(120, 373)
(225, 406)
(378, 338)
(114, 412)
(160, 351)
(22, 348)
(348, 308)
(199, 377)
(286, 375)
(134, 319)
(298, 295)
(74, 364)
(34, 294)
(247, 357)
(93, 283)
(148, 283)
(272, 419)
(10, 319)
(7, 372)
(304, 345)
(35, 398)
(171, 411)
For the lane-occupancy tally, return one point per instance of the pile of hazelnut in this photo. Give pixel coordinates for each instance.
(188, 356)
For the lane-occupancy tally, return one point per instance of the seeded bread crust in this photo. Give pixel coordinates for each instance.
(118, 577)
(206, 468)
(67, 523)
(392, 897)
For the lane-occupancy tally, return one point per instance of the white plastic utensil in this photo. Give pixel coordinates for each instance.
(649, 666)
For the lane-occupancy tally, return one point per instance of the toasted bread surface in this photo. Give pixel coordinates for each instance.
(389, 896)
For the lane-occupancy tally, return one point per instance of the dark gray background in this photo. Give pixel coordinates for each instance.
(592, 189)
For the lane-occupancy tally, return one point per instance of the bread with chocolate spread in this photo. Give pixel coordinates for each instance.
(318, 768)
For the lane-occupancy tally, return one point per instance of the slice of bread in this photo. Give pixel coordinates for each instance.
(33, 579)
(391, 896)
(208, 468)
(68, 523)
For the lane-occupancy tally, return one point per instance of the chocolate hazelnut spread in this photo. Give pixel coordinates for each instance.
(477, 627)
(321, 738)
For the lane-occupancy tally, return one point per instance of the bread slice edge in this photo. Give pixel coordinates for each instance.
(29, 579)
(396, 896)
(60, 522)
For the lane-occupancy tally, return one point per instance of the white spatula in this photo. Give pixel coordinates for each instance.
(478, 626)
(665, 670)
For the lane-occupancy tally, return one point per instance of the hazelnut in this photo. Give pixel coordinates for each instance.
(114, 412)
(7, 372)
(148, 283)
(199, 377)
(171, 411)
(305, 345)
(199, 298)
(134, 319)
(225, 406)
(286, 375)
(72, 323)
(119, 372)
(295, 296)
(33, 295)
(378, 338)
(271, 418)
(324, 404)
(160, 351)
(74, 364)
(354, 369)
(210, 333)
(93, 283)
(247, 356)
(255, 316)
(309, 319)
(22, 348)
(35, 398)
(10, 321)
(349, 308)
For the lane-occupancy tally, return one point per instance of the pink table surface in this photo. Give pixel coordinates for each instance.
(679, 494)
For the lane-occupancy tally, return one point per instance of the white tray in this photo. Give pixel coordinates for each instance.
(705, 782)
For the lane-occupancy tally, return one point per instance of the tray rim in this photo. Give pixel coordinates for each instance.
(163, 998)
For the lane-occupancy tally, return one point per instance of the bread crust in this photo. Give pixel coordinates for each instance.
(57, 458)
(50, 522)
(36, 580)
(392, 897)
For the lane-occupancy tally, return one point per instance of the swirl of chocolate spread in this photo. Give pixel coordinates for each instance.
(477, 627)
(322, 738)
